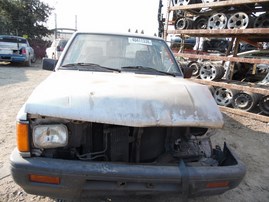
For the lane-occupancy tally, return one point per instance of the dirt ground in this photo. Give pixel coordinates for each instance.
(248, 138)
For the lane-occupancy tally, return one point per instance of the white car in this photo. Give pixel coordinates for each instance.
(56, 48)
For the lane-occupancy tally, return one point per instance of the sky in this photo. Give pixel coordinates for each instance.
(105, 15)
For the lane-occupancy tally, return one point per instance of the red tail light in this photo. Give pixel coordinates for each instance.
(23, 51)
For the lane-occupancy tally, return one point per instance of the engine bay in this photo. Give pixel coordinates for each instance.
(113, 143)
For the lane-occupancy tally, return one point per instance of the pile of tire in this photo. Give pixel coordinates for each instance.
(212, 71)
(187, 2)
(245, 101)
(237, 20)
(207, 70)
(242, 100)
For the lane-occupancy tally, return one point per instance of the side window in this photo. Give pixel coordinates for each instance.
(167, 60)
(74, 54)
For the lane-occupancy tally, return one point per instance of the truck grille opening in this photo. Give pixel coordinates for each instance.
(114, 143)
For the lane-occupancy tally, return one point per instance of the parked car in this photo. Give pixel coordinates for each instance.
(116, 116)
(16, 49)
(56, 48)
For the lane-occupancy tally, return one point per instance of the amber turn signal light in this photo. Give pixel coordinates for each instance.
(22, 137)
(44, 179)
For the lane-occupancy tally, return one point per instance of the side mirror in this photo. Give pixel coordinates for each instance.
(49, 64)
(187, 71)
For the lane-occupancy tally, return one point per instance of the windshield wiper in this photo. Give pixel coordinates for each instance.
(82, 66)
(143, 68)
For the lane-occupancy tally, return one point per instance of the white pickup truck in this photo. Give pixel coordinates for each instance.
(117, 116)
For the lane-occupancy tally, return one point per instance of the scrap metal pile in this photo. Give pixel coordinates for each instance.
(220, 18)
(228, 18)
(247, 101)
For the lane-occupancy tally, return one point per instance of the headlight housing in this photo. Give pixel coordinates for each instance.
(50, 136)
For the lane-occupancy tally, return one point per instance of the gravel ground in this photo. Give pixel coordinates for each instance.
(248, 138)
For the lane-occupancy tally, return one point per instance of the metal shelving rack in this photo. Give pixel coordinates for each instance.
(249, 35)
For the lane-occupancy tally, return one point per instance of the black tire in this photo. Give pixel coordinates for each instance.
(264, 104)
(200, 22)
(211, 72)
(245, 101)
(195, 68)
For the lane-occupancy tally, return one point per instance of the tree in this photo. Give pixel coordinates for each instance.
(24, 17)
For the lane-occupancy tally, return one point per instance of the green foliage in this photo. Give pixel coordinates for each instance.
(24, 17)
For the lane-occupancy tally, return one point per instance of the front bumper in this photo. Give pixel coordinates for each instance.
(83, 179)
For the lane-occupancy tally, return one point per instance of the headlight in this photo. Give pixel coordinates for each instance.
(50, 136)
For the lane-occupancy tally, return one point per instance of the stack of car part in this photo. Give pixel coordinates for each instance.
(195, 66)
(228, 97)
(183, 23)
(224, 18)
(211, 72)
(185, 2)
(200, 22)
(245, 101)
(217, 21)
(239, 20)
(224, 96)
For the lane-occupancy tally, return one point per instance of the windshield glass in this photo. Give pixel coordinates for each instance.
(125, 53)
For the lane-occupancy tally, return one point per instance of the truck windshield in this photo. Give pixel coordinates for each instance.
(121, 52)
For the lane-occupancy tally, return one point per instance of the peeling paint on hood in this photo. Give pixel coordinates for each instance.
(124, 99)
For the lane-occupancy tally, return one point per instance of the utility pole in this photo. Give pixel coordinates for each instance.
(160, 19)
(55, 21)
(76, 22)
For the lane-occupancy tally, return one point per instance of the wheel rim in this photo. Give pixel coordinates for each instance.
(217, 21)
(183, 23)
(195, 68)
(238, 20)
(223, 96)
(264, 104)
(180, 23)
(262, 21)
(245, 101)
(208, 72)
(211, 72)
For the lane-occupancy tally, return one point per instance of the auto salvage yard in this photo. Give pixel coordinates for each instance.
(248, 138)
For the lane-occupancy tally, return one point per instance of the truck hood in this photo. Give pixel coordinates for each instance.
(124, 99)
